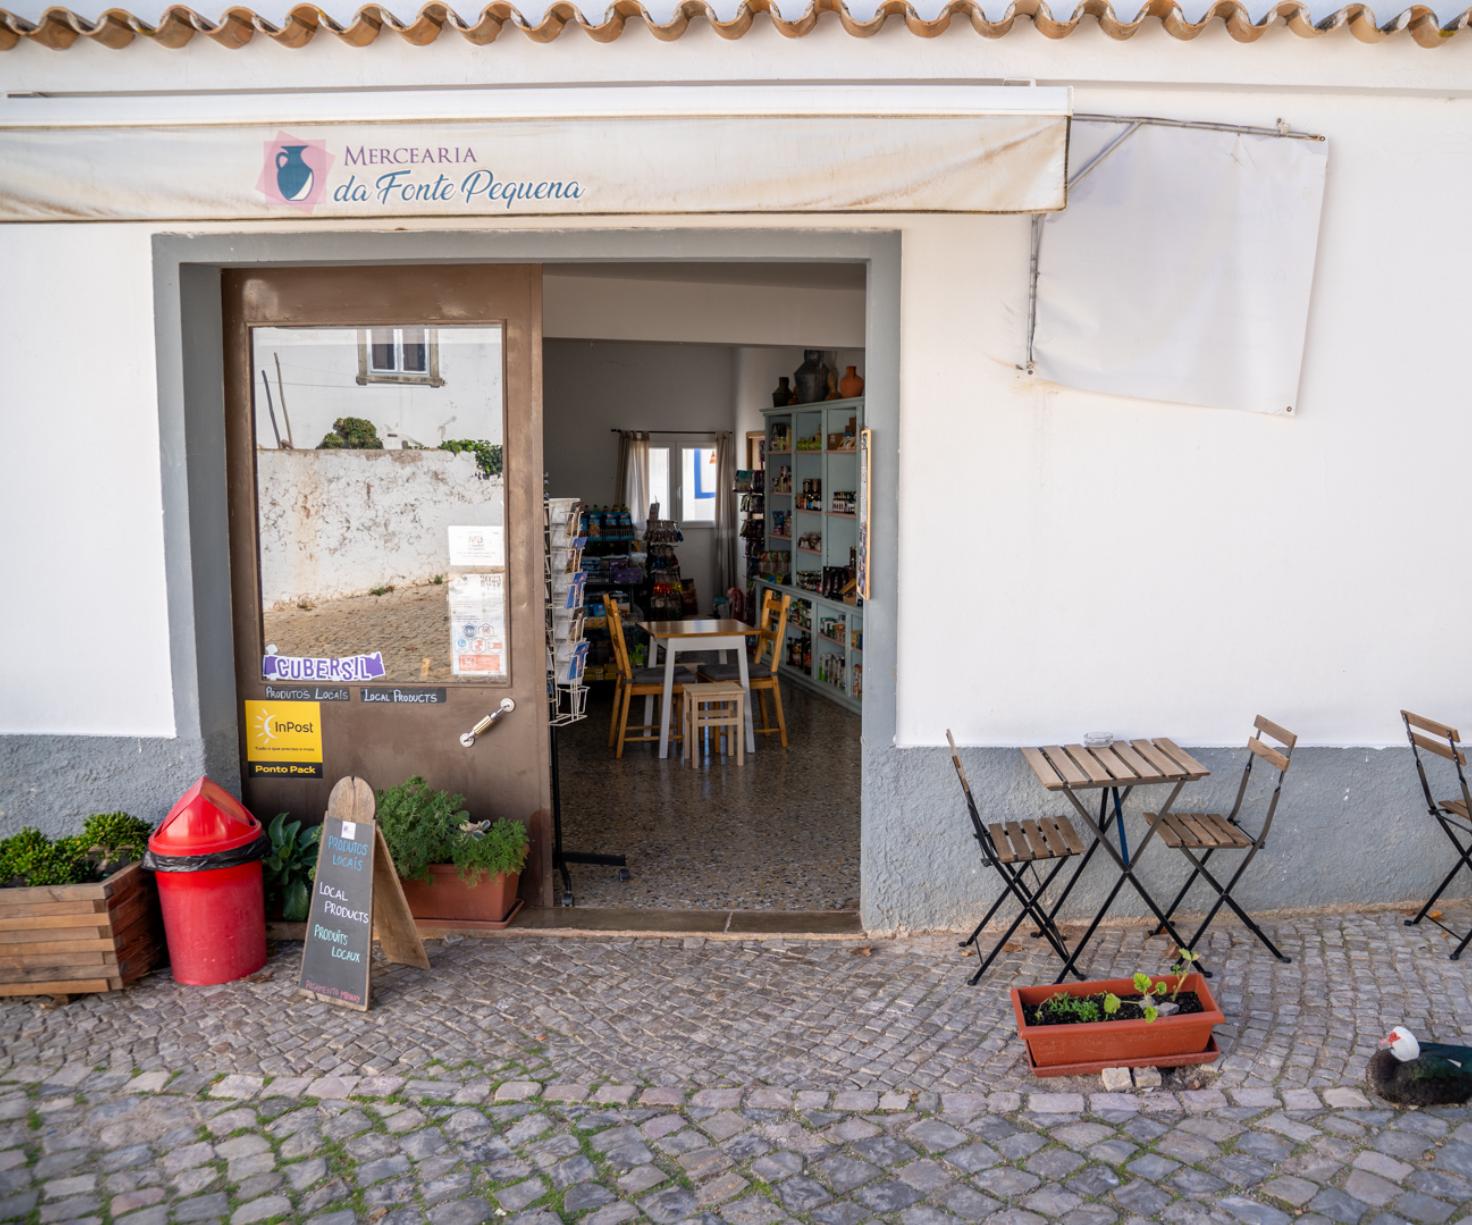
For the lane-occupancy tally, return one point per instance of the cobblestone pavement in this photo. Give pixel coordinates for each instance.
(537, 1080)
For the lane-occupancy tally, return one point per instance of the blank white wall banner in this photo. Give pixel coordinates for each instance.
(1182, 268)
(971, 151)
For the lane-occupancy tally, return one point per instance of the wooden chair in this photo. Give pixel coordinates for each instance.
(1454, 816)
(1193, 832)
(1014, 849)
(769, 650)
(634, 683)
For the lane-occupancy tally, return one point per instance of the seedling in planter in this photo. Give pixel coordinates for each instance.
(1076, 1008)
(1150, 991)
(1185, 959)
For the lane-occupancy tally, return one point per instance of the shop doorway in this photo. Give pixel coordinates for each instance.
(705, 498)
(383, 441)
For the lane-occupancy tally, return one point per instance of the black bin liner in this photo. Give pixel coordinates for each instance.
(232, 858)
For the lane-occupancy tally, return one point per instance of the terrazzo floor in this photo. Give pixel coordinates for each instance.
(779, 833)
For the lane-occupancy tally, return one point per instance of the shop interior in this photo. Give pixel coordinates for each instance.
(707, 419)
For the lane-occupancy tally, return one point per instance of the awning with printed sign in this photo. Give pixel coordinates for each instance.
(528, 152)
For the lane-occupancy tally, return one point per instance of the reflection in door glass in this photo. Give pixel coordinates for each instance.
(381, 503)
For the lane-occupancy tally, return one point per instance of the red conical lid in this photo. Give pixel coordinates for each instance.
(207, 818)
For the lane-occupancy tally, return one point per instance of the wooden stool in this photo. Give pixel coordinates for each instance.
(720, 707)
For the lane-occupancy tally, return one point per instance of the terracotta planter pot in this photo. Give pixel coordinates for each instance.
(444, 897)
(1076, 1050)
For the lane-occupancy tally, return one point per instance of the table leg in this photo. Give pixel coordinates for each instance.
(649, 698)
(1126, 868)
(746, 686)
(670, 651)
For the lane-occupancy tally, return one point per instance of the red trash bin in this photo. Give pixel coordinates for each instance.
(206, 855)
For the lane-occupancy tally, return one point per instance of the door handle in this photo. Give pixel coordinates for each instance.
(489, 721)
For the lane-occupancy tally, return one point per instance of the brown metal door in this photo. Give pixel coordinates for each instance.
(388, 589)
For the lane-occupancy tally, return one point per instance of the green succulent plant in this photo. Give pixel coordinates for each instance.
(290, 867)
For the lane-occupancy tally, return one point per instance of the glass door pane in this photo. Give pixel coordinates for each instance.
(381, 503)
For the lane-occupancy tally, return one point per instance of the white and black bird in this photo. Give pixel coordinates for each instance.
(1411, 1073)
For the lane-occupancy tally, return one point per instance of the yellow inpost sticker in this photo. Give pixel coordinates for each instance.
(283, 739)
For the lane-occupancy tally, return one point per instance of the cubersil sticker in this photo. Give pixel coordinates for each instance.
(343, 669)
(283, 739)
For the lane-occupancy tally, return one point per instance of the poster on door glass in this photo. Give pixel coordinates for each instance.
(478, 626)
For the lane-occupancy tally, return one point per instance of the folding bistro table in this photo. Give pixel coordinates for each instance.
(1114, 770)
(699, 634)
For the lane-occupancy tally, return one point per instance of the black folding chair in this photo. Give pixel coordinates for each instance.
(1194, 832)
(1454, 816)
(1014, 848)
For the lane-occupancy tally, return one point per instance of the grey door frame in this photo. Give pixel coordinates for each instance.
(189, 348)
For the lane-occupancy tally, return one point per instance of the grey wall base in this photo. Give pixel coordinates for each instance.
(1351, 829)
(55, 782)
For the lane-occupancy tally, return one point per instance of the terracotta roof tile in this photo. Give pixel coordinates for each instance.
(59, 28)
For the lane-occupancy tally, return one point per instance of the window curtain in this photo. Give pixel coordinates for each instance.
(728, 574)
(631, 480)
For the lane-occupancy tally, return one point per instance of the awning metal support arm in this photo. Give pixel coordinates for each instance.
(1037, 233)
(1133, 124)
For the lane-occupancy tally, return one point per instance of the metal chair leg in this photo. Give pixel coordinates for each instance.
(1464, 860)
(1071, 963)
(1185, 889)
(1029, 908)
(1224, 897)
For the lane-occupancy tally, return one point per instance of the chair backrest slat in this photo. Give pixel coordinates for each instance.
(1445, 745)
(1276, 730)
(978, 828)
(616, 636)
(1443, 730)
(1440, 749)
(779, 633)
(1279, 759)
(1268, 753)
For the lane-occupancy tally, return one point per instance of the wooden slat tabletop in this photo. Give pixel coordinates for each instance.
(1131, 763)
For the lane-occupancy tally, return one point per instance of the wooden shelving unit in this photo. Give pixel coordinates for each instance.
(829, 663)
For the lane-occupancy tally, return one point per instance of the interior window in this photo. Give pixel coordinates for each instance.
(698, 485)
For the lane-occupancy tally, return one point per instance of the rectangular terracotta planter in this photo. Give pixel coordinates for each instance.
(73, 939)
(445, 898)
(1091, 1046)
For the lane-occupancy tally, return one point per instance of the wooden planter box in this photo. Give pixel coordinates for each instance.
(1090, 1047)
(71, 939)
(444, 900)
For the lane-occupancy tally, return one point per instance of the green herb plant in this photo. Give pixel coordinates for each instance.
(1076, 1008)
(29, 857)
(486, 848)
(108, 841)
(423, 825)
(290, 867)
(416, 821)
(113, 839)
(351, 434)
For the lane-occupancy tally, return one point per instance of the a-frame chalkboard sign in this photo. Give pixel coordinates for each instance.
(356, 897)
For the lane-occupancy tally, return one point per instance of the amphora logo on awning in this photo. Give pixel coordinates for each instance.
(294, 171)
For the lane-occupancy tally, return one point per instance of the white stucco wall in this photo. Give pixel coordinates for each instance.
(1068, 562)
(336, 523)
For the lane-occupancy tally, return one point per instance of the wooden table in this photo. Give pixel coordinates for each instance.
(1114, 770)
(697, 634)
